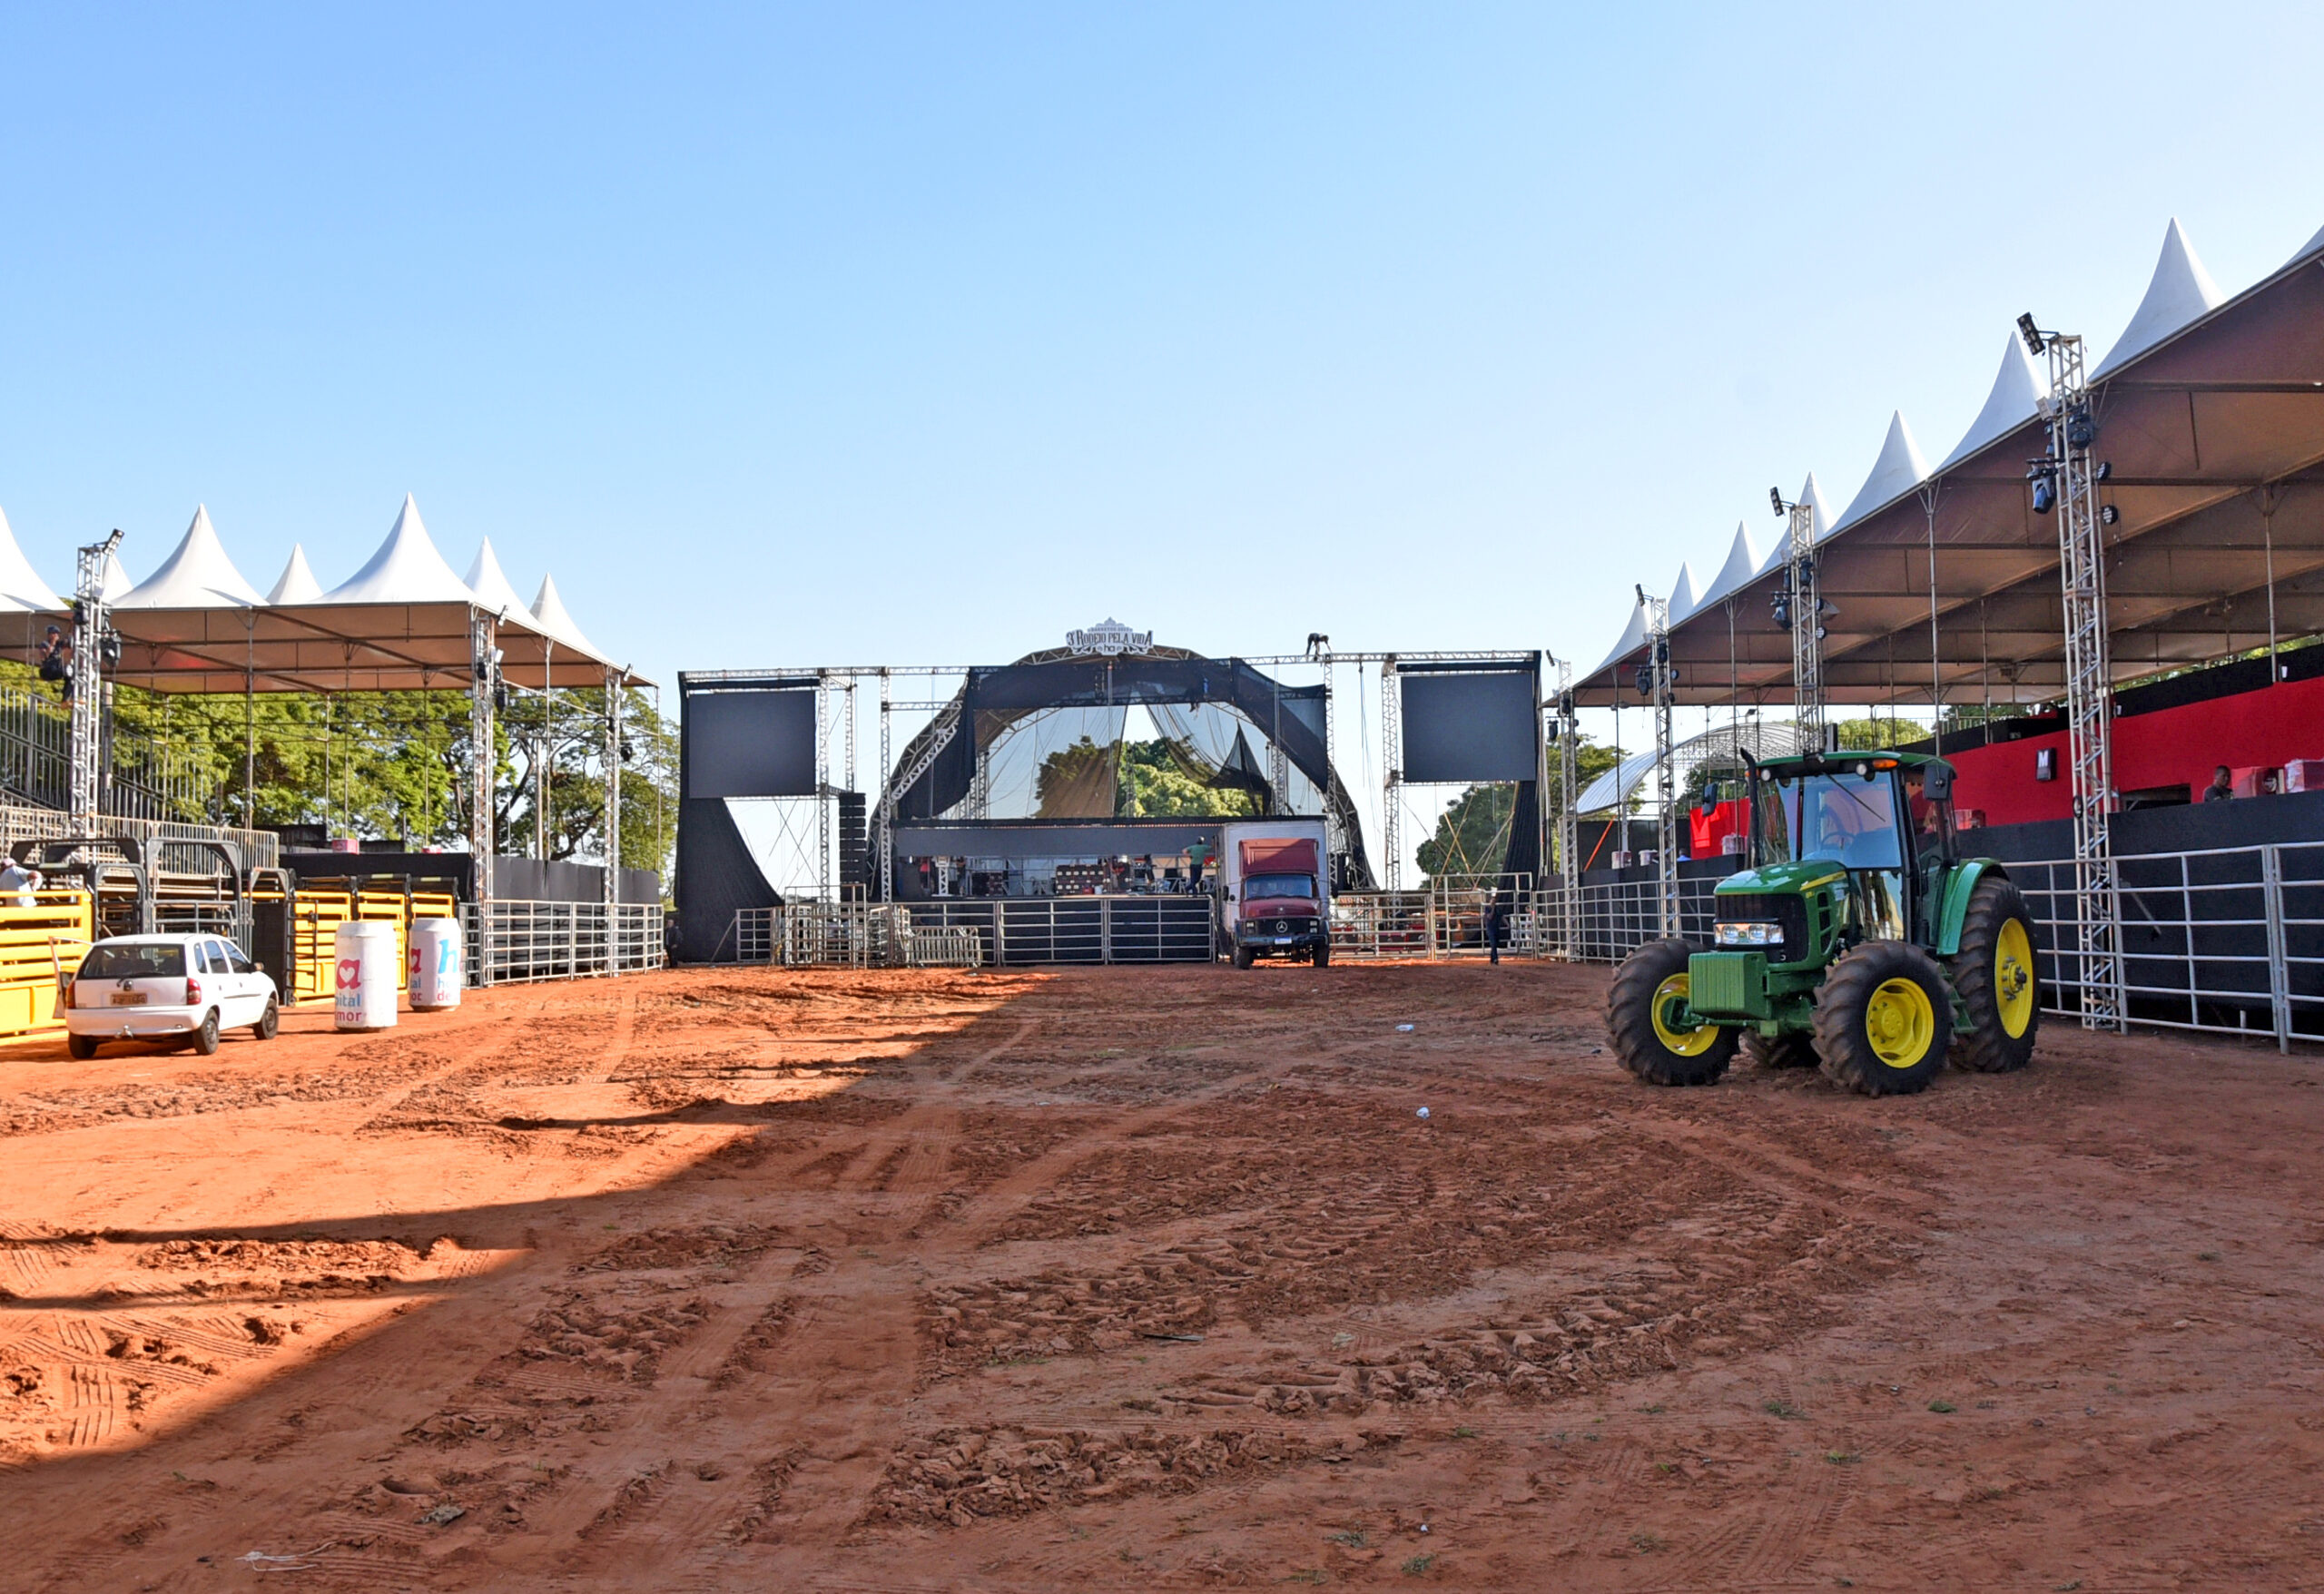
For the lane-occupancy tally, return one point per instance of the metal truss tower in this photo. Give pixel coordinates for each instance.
(1799, 609)
(90, 636)
(1660, 680)
(483, 760)
(613, 815)
(1392, 742)
(1568, 817)
(2068, 477)
(885, 819)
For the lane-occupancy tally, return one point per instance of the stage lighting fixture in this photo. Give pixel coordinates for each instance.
(1645, 682)
(627, 752)
(2031, 333)
(1775, 496)
(1783, 616)
(2045, 495)
(2108, 514)
(2082, 430)
(2104, 471)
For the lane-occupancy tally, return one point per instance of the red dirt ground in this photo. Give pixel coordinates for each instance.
(756, 1279)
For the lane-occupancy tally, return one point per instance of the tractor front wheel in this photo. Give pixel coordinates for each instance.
(1883, 1019)
(1779, 1051)
(1994, 973)
(1649, 993)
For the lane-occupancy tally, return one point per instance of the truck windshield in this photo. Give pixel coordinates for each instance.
(134, 961)
(1278, 885)
(1848, 819)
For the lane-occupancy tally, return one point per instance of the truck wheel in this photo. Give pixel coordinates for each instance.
(1649, 980)
(1245, 957)
(1994, 973)
(80, 1047)
(1790, 1050)
(1883, 1019)
(1323, 956)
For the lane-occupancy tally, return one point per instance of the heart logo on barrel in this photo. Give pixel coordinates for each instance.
(350, 973)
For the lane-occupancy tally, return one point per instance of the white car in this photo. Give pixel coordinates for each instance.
(180, 988)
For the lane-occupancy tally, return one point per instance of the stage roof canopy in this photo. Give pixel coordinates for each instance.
(2210, 414)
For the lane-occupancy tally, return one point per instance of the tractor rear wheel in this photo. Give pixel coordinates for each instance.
(1652, 982)
(1788, 1050)
(1883, 1019)
(1994, 973)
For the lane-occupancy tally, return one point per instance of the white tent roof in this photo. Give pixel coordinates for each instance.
(1633, 637)
(1900, 468)
(21, 588)
(491, 584)
(1742, 564)
(405, 570)
(2017, 389)
(2311, 247)
(2180, 291)
(116, 585)
(549, 616)
(1812, 495)
(197, 576)
(297, 584)
(1686, 596)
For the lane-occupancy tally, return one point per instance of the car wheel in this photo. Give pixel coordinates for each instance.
(205, 1038)
(269, 1021)
(82, 1046)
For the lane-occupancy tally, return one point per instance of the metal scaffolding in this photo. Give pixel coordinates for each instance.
(484, 685)
(92, 637)
(1392, 742)
(2065, 480)
(1798, 606)
(1659, 680)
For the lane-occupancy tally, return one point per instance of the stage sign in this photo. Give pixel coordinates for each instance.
(1110, 639)
(1467, 728)
(753, 742)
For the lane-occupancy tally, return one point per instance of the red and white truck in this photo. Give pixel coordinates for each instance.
(1274, 889)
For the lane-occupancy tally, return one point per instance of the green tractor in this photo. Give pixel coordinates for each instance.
(1856, 940)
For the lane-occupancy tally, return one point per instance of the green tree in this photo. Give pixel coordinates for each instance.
(1154, 784)
(1472, 835)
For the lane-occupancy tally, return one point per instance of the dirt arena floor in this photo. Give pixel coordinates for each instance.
(760, 1280)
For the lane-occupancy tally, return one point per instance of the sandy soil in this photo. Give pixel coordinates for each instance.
(764, 1280)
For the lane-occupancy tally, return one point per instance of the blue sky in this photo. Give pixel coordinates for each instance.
(922, 334)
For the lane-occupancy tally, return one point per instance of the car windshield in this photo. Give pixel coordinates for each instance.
(134, 961)
(1279, 885)
(1846, 818)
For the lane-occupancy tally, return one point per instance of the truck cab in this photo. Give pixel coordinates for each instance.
(1274, 891)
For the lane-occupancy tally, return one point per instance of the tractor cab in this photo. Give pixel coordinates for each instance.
(1886, 819)
(1855, 938)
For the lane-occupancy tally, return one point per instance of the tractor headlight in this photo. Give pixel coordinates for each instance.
(1750, 933)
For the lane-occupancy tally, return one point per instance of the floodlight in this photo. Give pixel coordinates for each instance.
(2104, 471)
(1775, 496)
(2031, 333)
(2108, 514)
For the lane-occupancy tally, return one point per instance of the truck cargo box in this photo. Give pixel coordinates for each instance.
(1279, 855)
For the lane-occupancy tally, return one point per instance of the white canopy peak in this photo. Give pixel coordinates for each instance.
(198, 574)
(22, 591)
(491, 584)
(297, 584)
(407, 569)
(1900, 468)
(2180, 292)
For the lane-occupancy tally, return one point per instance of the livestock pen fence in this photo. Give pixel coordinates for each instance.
(2225, 940)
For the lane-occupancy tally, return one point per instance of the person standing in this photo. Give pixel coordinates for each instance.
(2222, 786)
(18, 881)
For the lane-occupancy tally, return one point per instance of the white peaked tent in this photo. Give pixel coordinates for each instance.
(2180, 292)
(297, 584)
(407, 569)
(551, 619)
(2017, 389)
(491, 584)
(116, 585)
(1685, 596)
(2313, 246)
(1812, 494)
(1899, 470)
(1742, 564)
(1633, 638)
(197, 576)
(21, 588)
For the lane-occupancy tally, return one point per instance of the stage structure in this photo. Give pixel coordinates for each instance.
(1031, 781)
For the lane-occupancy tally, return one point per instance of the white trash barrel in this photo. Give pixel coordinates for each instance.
(366, 987)
(438, 969)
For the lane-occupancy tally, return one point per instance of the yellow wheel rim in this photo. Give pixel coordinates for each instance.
(1900, 1022)
(1687, 1043)
(2014, 977)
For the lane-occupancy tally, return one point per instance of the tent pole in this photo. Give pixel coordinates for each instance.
(250, 720)
(482, 762)
(613, 818)
(1935, 658)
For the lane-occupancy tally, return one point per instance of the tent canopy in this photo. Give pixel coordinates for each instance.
(2214, 431)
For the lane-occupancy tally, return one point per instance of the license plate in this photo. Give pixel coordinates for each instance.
(129, 998)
